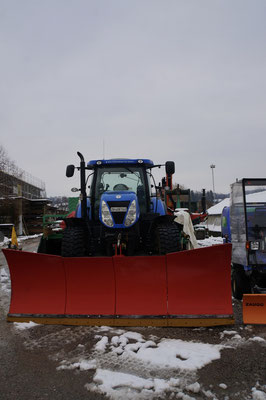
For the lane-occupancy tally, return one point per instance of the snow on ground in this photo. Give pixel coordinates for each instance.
(127, 365)
(258, 394)
(212, 240)
(6, 240)
(168, 353)
(24, 325)
(117, 385)
(179, 360)
(4, 281)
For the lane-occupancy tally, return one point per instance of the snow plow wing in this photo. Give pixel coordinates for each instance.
(188, 288)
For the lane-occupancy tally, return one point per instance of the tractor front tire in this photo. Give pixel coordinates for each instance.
(239, 282)
(73, 242)
(167, 238)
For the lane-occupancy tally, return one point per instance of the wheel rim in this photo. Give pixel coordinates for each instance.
(234, 286)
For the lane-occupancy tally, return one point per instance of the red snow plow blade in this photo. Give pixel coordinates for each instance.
(188, 288)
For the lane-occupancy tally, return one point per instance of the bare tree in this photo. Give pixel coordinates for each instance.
(3, 158)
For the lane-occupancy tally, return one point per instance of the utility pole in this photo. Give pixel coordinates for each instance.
(212, 166)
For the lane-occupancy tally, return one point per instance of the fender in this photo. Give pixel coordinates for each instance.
(158, 206)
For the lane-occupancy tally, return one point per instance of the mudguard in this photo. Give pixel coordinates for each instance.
(188, 288)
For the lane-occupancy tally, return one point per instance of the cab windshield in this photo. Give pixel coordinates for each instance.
(255, 198)
(117, 179)
(256, 221)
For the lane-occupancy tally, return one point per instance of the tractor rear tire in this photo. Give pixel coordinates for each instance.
(73, 242)
(239, 282)
(167, 238)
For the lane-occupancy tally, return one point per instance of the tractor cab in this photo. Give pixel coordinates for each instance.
(118, 187)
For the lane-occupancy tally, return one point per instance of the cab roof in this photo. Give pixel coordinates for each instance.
(121, 161)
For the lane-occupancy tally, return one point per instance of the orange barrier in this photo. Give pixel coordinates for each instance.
(254, 309)
(199, 281)
(38, 283)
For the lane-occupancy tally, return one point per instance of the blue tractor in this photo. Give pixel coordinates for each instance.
(120, 214)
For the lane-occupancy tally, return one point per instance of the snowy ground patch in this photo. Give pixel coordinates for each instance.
(129, 366)
(258, 394)
(24, 325)
(4, 242)
(168, 353)
(117, 385)
(83, 365)
(20, 239)
(5, 280)
(212, 240)
(258, 339)
(123, 364)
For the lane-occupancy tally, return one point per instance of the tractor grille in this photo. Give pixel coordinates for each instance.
(118, 216)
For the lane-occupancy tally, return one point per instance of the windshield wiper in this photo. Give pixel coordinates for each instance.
(132, 172)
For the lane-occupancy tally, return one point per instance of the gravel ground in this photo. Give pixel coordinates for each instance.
(30, 358)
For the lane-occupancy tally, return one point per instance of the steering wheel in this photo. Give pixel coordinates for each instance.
(120, 186)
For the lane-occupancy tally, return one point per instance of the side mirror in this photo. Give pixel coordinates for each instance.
(170, 167)
(70, 171)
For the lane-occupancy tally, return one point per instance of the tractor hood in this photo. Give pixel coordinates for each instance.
(119, 209)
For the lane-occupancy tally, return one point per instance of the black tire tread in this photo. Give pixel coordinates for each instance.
(168, 238)
(73, 244)
(239, 282)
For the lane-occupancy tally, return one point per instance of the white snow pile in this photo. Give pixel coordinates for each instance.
(20, 239)
(212, 240)
(258, 394)
(23, 238)
(24, 325)
(232, 334)
(118, 385)
(257, 339)
(83, 365)
(168, 353)
(5, 241)
(4, 280)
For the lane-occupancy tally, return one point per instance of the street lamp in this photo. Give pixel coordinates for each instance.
(212, 166)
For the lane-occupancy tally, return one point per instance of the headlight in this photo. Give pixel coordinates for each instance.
(106, 215)
(131, 214)
(254, 245)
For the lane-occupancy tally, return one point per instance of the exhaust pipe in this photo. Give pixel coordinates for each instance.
(83, 192)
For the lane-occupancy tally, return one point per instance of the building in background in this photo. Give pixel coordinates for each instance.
(214, 217)
(22, 201)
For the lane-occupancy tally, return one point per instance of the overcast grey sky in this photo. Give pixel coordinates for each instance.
(165, 80)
